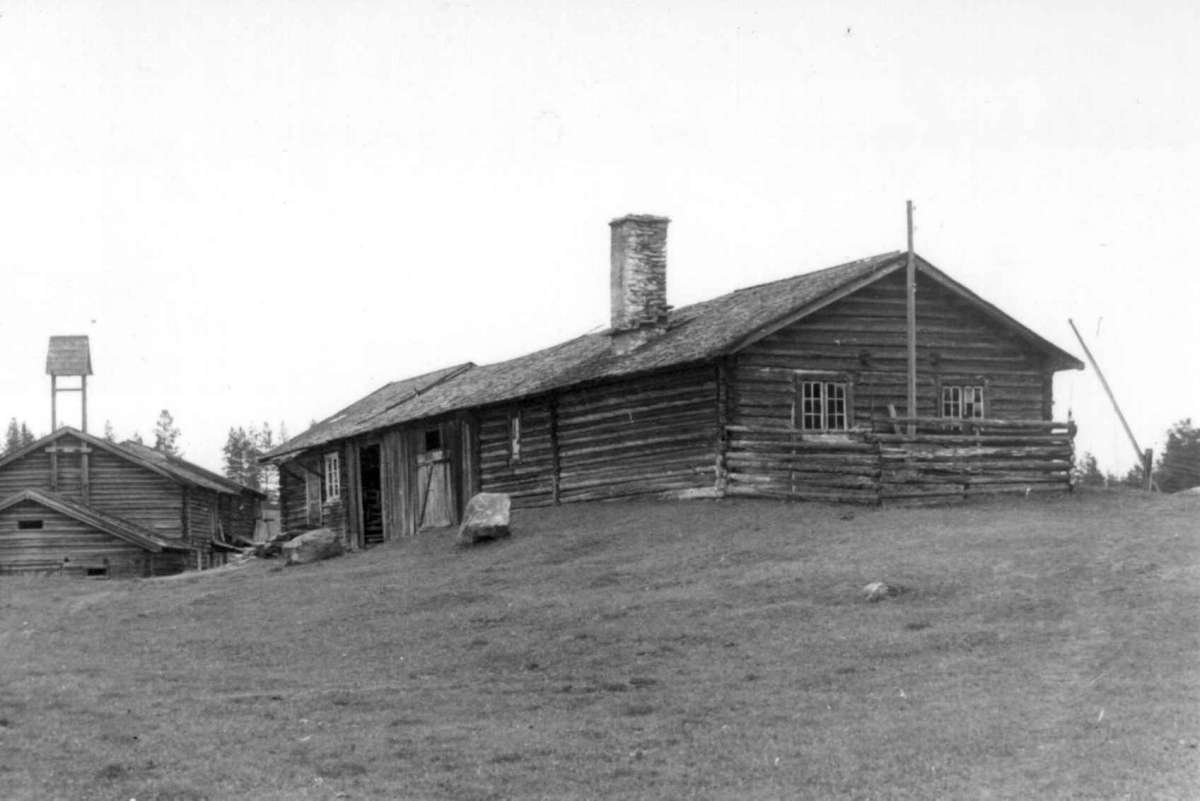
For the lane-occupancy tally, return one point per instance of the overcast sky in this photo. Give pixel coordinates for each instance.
(262, 211)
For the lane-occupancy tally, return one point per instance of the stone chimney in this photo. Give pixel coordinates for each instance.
(638, 280)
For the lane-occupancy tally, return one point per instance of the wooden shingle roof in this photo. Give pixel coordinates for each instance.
(695, 333)
(69, 355)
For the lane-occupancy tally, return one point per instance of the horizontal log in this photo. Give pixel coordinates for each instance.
(972, 439)
(788, 478)
(698, 475)
(740, 461)
(831, 496)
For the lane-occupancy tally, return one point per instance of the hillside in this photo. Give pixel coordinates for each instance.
(1045, 648)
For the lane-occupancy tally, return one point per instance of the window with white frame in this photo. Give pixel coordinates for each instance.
(333, 477)
(821, 406)
(514, 436)
(963, 402)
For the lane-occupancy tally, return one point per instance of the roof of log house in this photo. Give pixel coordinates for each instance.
(695, 333)
(110, 524)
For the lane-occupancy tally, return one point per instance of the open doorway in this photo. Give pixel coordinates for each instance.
(372, 494)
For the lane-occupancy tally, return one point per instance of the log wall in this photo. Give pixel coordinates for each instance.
(945, 461)
(788, 463)
(529, 480)
(293, 498)
(863, 336)
(942, 461)
(641, 436)
(65, 545)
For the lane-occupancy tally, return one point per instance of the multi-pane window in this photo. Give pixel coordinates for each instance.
(333, 477)
(964, 402)
(822, 406)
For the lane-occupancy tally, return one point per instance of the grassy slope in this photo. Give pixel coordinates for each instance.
(705, 650)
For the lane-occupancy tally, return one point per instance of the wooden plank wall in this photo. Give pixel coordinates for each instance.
(863, 336)
(63, 537)
(398, 476)
(641, 436)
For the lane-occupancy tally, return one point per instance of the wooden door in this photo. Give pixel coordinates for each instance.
(435, 489)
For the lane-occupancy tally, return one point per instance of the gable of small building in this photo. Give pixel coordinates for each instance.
(44, 532)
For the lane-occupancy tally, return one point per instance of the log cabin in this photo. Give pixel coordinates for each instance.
(788, 389)
(78, 505)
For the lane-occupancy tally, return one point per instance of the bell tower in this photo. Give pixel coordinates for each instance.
(68, 356)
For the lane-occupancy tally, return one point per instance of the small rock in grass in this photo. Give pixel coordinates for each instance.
(880, 590)
(485, 519)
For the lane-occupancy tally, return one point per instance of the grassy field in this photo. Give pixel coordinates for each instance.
(1044, 649)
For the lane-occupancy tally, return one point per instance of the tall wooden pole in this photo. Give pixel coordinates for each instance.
(1146, 456)
(910, 292)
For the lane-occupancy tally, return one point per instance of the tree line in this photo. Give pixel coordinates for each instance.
(1176, 468)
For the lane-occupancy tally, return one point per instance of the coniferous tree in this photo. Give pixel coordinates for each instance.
(27, 436)
(1178, 466)
(1087, 471)
(12, 438)
(241, 452)
(109, 434)
(166, 434)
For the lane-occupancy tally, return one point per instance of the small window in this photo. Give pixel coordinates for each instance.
(822, 406)
(514, 437)
(333, 477)
(963, 402)
(97, 572)
(26, 525)
(433, 439)
(951, 401)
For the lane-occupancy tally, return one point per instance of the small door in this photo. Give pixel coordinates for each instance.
(434, 489)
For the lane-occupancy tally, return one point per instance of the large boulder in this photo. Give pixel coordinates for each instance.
(486, 518)
(313, 546)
